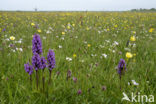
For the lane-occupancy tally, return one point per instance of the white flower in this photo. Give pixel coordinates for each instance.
(20, 49)
(99, 32)
(134, 45)
(85, 42)
(48, 32)
(105, 30)
(127, 49)
(50, 28)
(101, 46)
(82, 61)
(68, 59)
(108, 41)
(93, 55)
(104, 55)
(44, 37)
(13, 50)
(135, 83)
(113, 51)
(20, 41)
(60, 46)
(7, 39)
(115, 43)
(62, 38)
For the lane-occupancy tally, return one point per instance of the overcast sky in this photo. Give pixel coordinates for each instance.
(65, 5)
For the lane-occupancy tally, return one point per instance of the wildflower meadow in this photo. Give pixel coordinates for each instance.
(77, 57)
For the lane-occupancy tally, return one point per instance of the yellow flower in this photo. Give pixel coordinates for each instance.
(134, 54)
(74, 55)
(39, 30)
(116, 26)
(129, 55)
(63, 33)
(134, 32)
(12, 38)
(68, 27)
(132, 38)
(32, 24)
(88, 45)
(87, 28)
(73, 24)
(151, 30)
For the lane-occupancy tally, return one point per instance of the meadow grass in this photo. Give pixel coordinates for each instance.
(95, 41)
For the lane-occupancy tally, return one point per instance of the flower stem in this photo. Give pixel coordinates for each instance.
(30, 80)
(36, 79)
(43, 80)
(49, 76)
(120, 82)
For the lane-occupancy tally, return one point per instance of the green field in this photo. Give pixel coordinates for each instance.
(90, 45)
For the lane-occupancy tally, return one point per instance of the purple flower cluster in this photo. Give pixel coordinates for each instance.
(37, 44)
(79, 92)
(28, 68)
(39, 62)
(74, 79)
(121, 67)
(36, 61)
(43, 63)
(51, 59)
(68, 74)
(3, 30)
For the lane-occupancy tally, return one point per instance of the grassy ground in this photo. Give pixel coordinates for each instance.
(95, 41)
